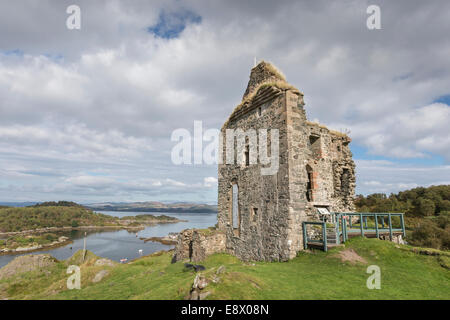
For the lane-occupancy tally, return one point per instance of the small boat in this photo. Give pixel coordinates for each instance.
(123, 260)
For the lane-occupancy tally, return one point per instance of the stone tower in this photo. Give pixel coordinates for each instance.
(261, 214)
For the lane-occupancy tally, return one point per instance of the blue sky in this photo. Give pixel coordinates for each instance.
(170, 25)
(87, 115)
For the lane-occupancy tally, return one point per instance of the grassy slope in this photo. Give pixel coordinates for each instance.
(319, 275)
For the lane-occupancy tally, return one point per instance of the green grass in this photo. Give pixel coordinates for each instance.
(317, 275)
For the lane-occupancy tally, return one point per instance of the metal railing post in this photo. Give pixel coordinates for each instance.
(376, 225)
(390, 226)
(324, 235)
(305, 236)
(402, 223)
(361, 224)
(336, 228)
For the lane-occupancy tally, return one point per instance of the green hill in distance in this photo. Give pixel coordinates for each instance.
(154, 206)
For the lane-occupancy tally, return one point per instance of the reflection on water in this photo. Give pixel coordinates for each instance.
(116, 245)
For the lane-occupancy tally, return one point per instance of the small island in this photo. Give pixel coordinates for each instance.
(33, 228)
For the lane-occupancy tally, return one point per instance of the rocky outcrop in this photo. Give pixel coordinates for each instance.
(170, 239)
(198, 291)
(27, 263)
(37, 247)
(105, 262)
(196, 245)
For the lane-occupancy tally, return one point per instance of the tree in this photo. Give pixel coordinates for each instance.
(424, 207)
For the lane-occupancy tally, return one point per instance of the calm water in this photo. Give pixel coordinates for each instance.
(120, 244)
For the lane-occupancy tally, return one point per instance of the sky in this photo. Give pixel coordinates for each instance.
(87, 114)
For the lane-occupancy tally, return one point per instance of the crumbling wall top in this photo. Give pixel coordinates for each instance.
(264, 72)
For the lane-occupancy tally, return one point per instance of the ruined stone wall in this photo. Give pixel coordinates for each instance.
(284, 201)
(315, 170)
(326, 159)
(195, 245)
(262, 73)
(260, 236)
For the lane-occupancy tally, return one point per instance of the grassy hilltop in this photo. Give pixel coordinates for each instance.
(29, 218)
(65, 214)
(317, 275)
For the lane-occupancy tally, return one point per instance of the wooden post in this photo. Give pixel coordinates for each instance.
(324, 235)
(376, 225)
(361, 224)
(390, 226)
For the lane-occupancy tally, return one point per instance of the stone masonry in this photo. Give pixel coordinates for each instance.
(315, 170)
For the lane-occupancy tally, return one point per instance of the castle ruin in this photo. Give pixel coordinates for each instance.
(260, 215)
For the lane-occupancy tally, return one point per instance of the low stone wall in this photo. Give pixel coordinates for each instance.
(196, 244)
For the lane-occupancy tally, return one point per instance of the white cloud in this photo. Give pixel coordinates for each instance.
(107, 98)
(383, 176)
(210, 182)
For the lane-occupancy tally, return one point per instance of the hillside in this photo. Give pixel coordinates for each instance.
(311, 275)
(74, 216)
(28, 218)
(154, 206)
(427, 213)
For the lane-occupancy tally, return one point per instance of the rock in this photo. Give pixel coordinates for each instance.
(203, 295)
(200, 282)
(25, 249)
(100, 275)
(221, 269)
(104, 262)
(216, 279)
(63, 239)
(193, 295)
(27, 263)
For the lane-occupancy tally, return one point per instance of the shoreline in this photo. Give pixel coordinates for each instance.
(163, 240)
(43, 247)
(80, 228)
(58, 244)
